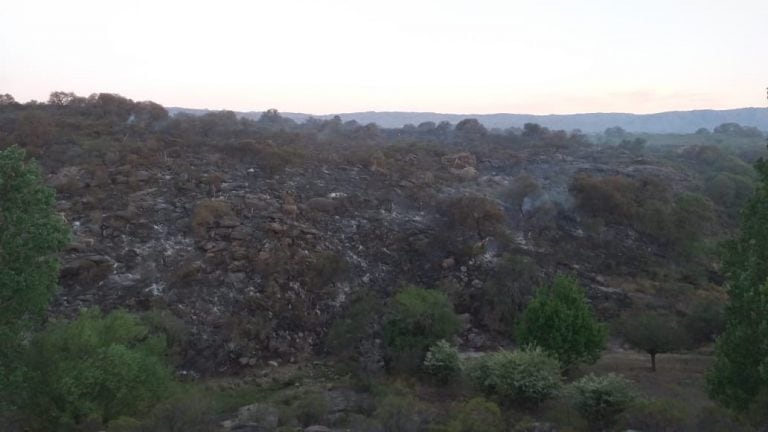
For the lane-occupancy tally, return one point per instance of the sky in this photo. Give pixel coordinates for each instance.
(450, 56)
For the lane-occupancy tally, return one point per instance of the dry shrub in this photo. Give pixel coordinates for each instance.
(206, 213)
(474, 213)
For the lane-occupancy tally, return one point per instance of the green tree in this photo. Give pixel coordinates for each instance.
(653, 333)
(416, 319)
(560, 321)
(31, 233)
(740, 371)
(92, 368)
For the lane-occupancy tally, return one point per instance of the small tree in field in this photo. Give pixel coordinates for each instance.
(560, 321)
(653, 333)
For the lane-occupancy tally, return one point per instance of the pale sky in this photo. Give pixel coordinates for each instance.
(331, 56)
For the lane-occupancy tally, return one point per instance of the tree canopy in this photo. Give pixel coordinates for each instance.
(740, 371)
(31, 233)
(653, 333)
(560, 321)
(417, 319)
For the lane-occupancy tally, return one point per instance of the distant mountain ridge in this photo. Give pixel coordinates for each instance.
(664, 122)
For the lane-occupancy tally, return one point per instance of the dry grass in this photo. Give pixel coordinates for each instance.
(678, 377)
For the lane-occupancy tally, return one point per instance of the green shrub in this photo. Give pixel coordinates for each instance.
(477, 415)
(416, 319)
(442, 362)
(600, 399)
(402, 413)
(661, 415)
(716, 418)
(311, 408)
(560, 321)
(526, 377)
(353, 337)
(93, 367)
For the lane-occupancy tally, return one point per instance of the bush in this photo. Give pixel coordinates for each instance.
(402, 413)
(93, 367)
(442, 362)
(416, 319)
(526, 377)
(560, 321)
(474, 214)
(505, 292)
(600, 399)
(310, 409)
(715, 418)
(477, 415)
(657, 415)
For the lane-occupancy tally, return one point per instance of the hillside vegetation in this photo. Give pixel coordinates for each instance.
(303, 272)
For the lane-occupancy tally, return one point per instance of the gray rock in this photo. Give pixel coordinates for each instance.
(259, 415)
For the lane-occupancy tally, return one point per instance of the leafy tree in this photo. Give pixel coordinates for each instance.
(600, 399)
(560, 321)
(7, 99)
(417, 319)
(92, 368)
(740, 371)
(526, 377)
(30, 235)
(653, 333)
(61, 98)
(471, 130)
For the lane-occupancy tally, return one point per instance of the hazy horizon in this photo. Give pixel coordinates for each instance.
(337, 56)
